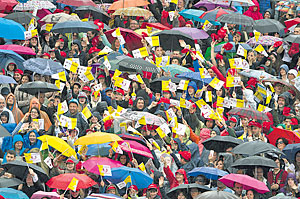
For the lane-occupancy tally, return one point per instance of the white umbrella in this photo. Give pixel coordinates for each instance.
(34, 4)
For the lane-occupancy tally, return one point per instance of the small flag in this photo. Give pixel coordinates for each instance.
(104, 170)
(183, 85)
(49, 27)
(153, 41)
(140, 53)
(241, 51)
(82, 150)
(207, 25)
(149, 29)
(116, 74)
(117, 148)
(142, 121)
(256, 35)
(142, 167)
(62, 108)
(61, 76)
(208, 96)
(216, 83)
(165, 85)
(86, 112)
(32, 157)
(73, 184)
(127, 179)
(106, 63)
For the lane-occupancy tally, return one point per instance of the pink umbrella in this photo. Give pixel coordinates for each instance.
(77, 3)
(245, 180)
(23, 50)
(2, 15)
(7, 4)
(92, 164)
(135, 148)
(41, 194)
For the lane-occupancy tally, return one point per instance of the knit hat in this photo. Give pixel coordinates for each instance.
(73, 101)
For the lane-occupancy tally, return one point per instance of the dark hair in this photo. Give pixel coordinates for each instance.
(27, 75)
(285, 141)
(6, 114)
(12, 152)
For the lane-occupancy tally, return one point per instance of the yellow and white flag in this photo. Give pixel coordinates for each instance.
(153, 41)
(62, 108)
(104, 170)
(106, 63)
(73, 184)
(241, 51)
(61, 76)
(86, 112)
(140, 53)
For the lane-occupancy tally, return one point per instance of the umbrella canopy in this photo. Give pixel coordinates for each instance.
(291, 136)
(249, 113)
(254, 161)
(21, 17)
(234, 48)
(103, 195)
(43, 66)
(290, 151)
(245, 180)
(10, 56)
(157, 26)
(217, 195)
(133, 11)
(282, 197)
(71, 27)
(23, 50)
(98, 149)
(194, 14)
(7, 80)
(256, 73)
(7, 4)
(236, 18)
(169, 39)
(20, 170)
(77, 3)
(175, 69)
(41, 194)
(268, 26)
(263, 40)
(31, 5)
(59, 18)
(37, 87)
(4, 132)
(11, 29)
(255, 148)
(287, 85)
(173, 193)
(128, 3)
(221, 143)
(136, 148)
(138, 177)
(195, 33)
(94, 11)
(292, 39)
(58, 144)
(213, 15)
(212, 5)
(239, 2)
(150, 118)
(97, 138)
(195, 76)
(137, 64)
(62, 181)
(291, 22)
(12, 193)
(91, 165)
(208, 172)
(9, 182)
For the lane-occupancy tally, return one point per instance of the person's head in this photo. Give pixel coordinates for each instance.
(297, 30)
(232, 122)
(73, 106)
(11, 67)
(278, 88)
(220, 164)
(292, 74)
(181, 194)
(167, 94)
(37, 77)
(134, 24)
(237, 36)
(25, 78)
(4, 117)
(133, 190)
(75, 194)
(76, 88)
(185, 156)
(123, 159)
(281, 143)
(244, 121)
(297, 157)
(70, 164)
(158, 51)
(238, 188)
(281, 101)
(111, 189)
(287, 121)
(211, 73)
(175, 60)
(179, 175)
(34, 113)
(32, 137)
(10, 155)
(82, 98)
(18, 145)
(250, 194)
(108, 92)
(255, 127)
(152, 191)
(259, 173)
(140, 104)
(209, 123)
(194, 192)
(2, 103)
(67, 10)
(267, 15)
(291, 180)
(18, 75)
(201, 180)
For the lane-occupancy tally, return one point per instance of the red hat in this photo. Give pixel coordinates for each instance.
(94, 94)
(70, 161)
(134, 187)
(233, 119)
(100, 76)
(166, 92)
(63, 54)
(144, 35)
(138, 18)
(86, 88)
(130, 102)
(186, 155)
(120, 91)
(286, 111)
(228, 46)
(219, 56)
(277, 44)
(239, 33)
(107, 124)
(94, 49)
(152, 186)
(294, 121)
(19, 71)
(222, 33)
(110, 187)
(89, 130)
(253, 123)
(67, 8)
(189, 22)
(214, 37)
(57, 11)
(46, 54)
(61, 40)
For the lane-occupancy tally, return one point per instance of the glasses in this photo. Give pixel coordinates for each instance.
(33, 112)
(280, 142)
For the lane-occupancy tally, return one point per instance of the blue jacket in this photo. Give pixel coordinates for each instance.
(37, 144)
(16, 138)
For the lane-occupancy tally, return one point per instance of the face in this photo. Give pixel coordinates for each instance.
(250, 195)
(75, 194)
(291, 76)
(255, 130)
(153, 193)
(132, 192)
(37, 77)
(209, 124)
(175, 61)
(70, 166)
(278, 88)
(297, 31)
(32, 137)
(194, 192)
(245, 121)
(73, 108)
(123, 159)
(298, 157)
(33, 41)
(134, 25)
(191, 91)
(260, 173)
(4, 119)
(181, 196)
(179, 177)
(82, 100)
(94, 119)
(17, 76)
(282, 72)
(10, 157)
(211, 73)
(10, 100)
(140, 104)
(19, 145)
(238, 188)
(25, 79)
(220, 165)
(2, 104)
(251, 56)
(291, 182)
(158, 52)
(254, 8)
(281, 102)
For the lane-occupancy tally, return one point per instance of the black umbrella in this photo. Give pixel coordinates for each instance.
(169, 39)
(95, 12)
(217, 195)
(9, 182)
(186, 188)
(20, 170)
(21, 17)
(255, 148)
(268, 26)
(72, 26)
(137, 65)
(292, 39)
(156, 83)
(236, 18)
(254, 161)
(37, 87)
(221, 143)
(4, 132)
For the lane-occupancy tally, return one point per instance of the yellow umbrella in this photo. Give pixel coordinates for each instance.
(58, 144)
(97, 138)
(134, 12)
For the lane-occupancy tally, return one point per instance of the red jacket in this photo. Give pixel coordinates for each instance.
(164, 20)
(171, 178)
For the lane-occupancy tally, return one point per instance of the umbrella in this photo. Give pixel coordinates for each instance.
(169, 39)
(23, 50)
(175, 69)
(33, 4)
(245, 180)
(150, 118)
(292, 39)
(249, 113)
(91, 165)
(213, 15)
(9, 182)
(37, 87)
(221, 143)
(59, 17)
(21, 17)
(208, 172)
(77, 3)
(7, 56)
(236, 18)
(11, 29)
(43, 66)
(7, 80)
(138, 177)
(71, 27)
(7, 4)
(282, 197)
(256, 74)
(238, 2)
(98, 149)
(41, 194)
(128, 3)
(62, 181)
(137, 138)
(290, 151)
(287, 85)
(212, 5)
(20, 169)
(291, 22)
(173, 193)
(217, 195)
(97, 138)
(255, 148)
(195, 33)
(94, 11)
(103, 195)
(254, 161)
(12, 193)
(106, 27)
(157, 26)
(268, 26)
(132, 39)
(3, 131)
(58, 144)
(195, 76)
(263, 40)
(137, 65)
(135, 147)
(291, 136)
(194, 14)
(133, 11)
(233, 49)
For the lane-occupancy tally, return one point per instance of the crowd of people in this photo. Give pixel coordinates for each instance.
(165, 102)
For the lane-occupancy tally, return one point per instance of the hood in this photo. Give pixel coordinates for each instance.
(76, 41)
(26, 138)
(34, 99)
(204, 134)
(182, 171)
(217, 130)
(17, 138)
(291, 175)
(285, 67)
(193, 84)
(14, 104)
(256, 5)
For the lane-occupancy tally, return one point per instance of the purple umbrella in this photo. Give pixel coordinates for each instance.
(193, 32)
(210, 5)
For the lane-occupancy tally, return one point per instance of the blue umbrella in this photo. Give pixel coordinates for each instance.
(11, 29)
(175, 69)
(98, 149)
(233, 50)
(72, 26)
(7, 80)
(290, 151)
(195, 76)
(12, 193)
(194, 15)
(43, 66)
(138, 177)
(9, 55)
(208, 172)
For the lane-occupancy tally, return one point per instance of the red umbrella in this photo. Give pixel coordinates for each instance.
(7, 4)
(78, 3)
(158, 26)
(291, 136)
(132, 39)
(291, 22)
(135, 148)
(23, 50)
(2, 15)
(92, 164)
(62, 181)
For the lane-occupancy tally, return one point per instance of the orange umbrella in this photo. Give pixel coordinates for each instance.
(127, 3)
